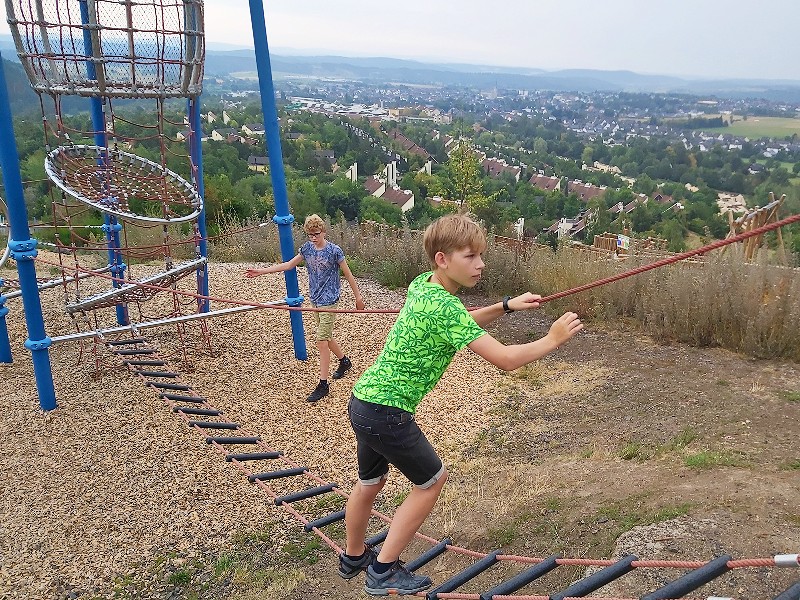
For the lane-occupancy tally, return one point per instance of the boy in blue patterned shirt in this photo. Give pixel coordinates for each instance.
(323, 260)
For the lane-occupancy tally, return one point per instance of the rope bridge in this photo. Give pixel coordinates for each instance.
(243, 448)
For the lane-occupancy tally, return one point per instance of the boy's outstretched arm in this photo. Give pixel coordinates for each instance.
(487, 314)
(284, 266)
(348, 274)
(512, 357)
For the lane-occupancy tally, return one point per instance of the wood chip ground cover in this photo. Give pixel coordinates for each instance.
(111, 482)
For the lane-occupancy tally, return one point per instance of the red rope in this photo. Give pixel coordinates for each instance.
(599, 282)
(676, 258)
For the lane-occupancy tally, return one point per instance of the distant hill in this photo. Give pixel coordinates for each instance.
(21, 97)
(481, 76)
(380, 69)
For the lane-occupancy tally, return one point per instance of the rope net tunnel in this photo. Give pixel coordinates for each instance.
(136, 163)
(125, 49)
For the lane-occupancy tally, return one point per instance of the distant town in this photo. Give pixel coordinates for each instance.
(653, 163)
(398, 145)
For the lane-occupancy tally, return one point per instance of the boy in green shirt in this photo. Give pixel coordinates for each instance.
(432, 326)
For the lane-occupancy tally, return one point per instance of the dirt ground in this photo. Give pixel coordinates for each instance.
(546, 474)
(616, 444)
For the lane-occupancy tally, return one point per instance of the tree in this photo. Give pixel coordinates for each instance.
(380, 211)
(342, 195)
(598, 219)
(304, 199)
(465, 174)
(641, 219)
(572, 206)
(540, 145)
(779, 177)
(587, 156)
(644, 184)
(674, 233)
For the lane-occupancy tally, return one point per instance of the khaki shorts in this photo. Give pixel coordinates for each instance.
(325, 321)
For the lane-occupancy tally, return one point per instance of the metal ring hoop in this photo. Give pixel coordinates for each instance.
(120, 183)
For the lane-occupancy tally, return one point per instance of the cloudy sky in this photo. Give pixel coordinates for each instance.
(708, 38)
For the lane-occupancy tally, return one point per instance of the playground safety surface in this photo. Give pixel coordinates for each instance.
(110, 484)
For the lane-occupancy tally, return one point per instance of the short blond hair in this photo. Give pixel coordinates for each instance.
(453, 232)
(313, 223)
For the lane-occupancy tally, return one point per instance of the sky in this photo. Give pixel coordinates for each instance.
(689, 38)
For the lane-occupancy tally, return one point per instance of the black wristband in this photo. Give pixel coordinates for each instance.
(505, 305)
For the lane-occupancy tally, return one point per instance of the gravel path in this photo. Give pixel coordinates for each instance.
(111, 479)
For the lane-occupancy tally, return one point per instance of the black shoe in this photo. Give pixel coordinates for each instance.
(349, 568)
(319, 392)
(397, 581)
(344, 366)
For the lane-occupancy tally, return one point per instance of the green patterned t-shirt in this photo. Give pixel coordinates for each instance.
(432, 326)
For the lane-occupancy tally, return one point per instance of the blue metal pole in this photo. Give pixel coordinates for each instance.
(282, 216)
(111, 227)
(196, 150)
(23, 251)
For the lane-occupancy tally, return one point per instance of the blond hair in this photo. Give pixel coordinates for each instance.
(313, 223)
(453, 232)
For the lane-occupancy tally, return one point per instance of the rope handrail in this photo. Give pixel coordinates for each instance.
(672, 259)
(587, 286)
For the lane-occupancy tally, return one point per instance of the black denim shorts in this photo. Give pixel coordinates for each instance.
(388, 435)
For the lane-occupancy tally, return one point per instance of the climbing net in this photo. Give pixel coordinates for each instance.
(118, 183)
(142, 49)
(130, 173)
(151, 209)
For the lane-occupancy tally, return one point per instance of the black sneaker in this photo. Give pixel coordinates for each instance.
(349, 568)
(319, 392)
(397, 581)
(344, 366)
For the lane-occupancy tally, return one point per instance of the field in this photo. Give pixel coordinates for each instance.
(758, 127)
(249, 75)
(617, 443)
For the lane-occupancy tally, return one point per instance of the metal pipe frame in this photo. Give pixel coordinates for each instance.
(57, 282)
(23, 251)
(283, 218)
(100, 333)
(196, 152)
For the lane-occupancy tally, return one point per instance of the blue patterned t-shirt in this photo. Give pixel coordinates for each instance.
(323, 272)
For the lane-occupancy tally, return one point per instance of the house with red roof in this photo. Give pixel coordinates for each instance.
(495, 167)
